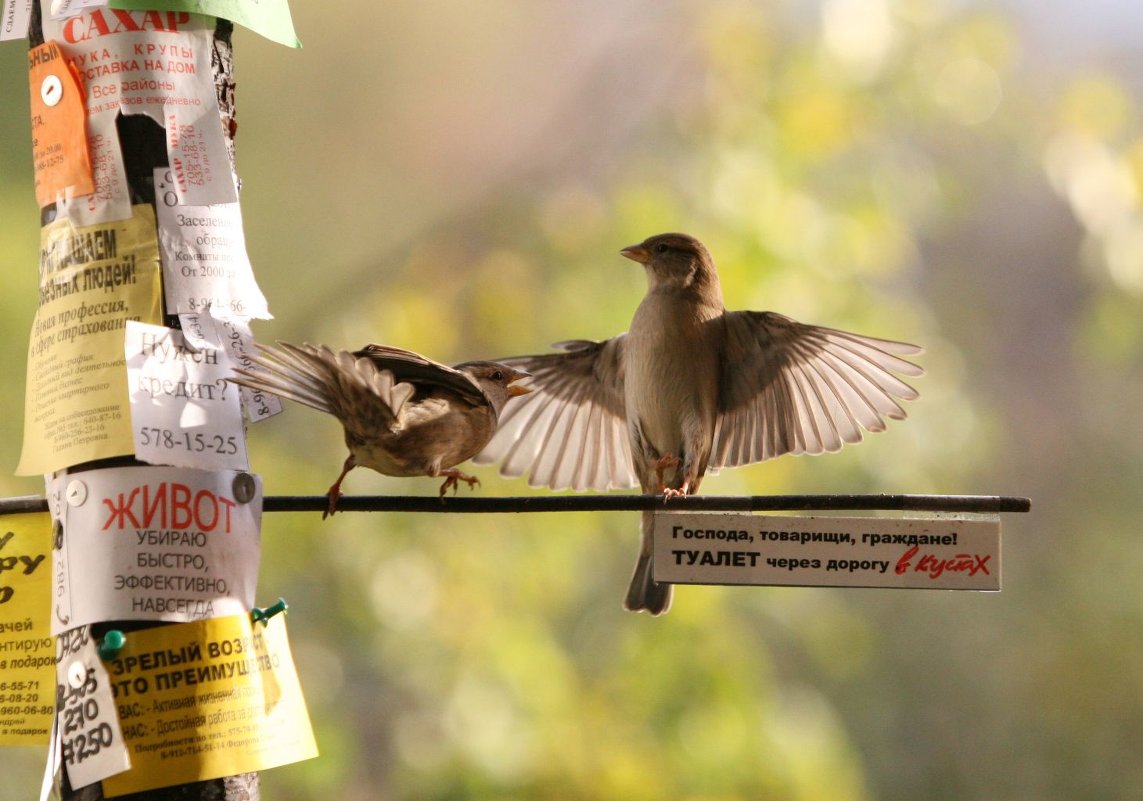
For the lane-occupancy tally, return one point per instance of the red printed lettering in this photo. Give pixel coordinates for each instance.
(103, 22)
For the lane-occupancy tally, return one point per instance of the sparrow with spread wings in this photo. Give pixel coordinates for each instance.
(691, 387)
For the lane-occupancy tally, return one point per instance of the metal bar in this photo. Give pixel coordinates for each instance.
(623, 503)
(23, 504)
(980, 504)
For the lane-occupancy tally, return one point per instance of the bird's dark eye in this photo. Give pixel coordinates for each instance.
(661, 247)
(497, 376)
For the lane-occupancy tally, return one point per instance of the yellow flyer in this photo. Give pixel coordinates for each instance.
(207, 699)
(27, 651)
(93, 280)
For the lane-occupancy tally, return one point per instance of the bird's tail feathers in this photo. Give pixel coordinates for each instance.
(645, 594)
(289, 371)
(318, 377)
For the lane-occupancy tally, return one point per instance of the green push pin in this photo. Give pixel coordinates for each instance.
(263, 615)
(111, 644)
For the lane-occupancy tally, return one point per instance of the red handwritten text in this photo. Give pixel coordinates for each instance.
(935, 566)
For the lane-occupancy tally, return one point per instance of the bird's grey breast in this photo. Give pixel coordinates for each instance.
(672, 365)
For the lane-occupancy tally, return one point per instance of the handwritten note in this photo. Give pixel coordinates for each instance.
(92, 741)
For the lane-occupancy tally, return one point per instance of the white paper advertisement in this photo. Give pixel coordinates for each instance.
(155, 543)
(183, 410)
(146, 62)
(204, 257)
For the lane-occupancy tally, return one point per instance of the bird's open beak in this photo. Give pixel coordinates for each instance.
(515, 388)
(636, 253)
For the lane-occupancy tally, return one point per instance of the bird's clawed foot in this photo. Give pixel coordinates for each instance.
(666, 462)
(454, 477)
(334, 494)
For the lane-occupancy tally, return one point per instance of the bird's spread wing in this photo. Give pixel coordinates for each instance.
(787, 387)
(405, 365)
(352, 389)
(570, 432)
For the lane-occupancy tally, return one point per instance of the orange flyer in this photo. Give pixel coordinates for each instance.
(59, 126)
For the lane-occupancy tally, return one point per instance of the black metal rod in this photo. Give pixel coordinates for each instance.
(23, 505)
(981, 504)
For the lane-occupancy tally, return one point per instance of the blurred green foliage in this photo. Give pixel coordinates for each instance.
(457, 179)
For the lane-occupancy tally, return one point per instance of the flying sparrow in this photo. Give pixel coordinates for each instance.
(403, 414)
(690, 387)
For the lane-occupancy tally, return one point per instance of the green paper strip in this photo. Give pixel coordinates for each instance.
(270, 18)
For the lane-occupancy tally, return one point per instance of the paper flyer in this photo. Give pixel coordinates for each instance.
(205, 265)
(202, 700)
(27, 651)
(156, 63)
(156, 543)
(69, 8)
(184, 412)
(238, 339)
(92, 280)
(90, 735)
(15, 15)
(270, 18)
(59, 139)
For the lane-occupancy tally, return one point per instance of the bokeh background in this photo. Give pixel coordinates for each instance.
(457, 178)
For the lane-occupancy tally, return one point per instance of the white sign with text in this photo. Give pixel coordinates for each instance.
(945, 553)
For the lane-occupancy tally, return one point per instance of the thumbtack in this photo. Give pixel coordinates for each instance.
(76, 492)
(51, 90)
(111, 644)
(76, 674)
(244, 487)
(263, 615)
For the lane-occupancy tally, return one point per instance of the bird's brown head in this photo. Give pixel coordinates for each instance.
(499, 382)
(676, 261)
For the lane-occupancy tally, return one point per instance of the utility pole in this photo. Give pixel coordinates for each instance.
(133, 115)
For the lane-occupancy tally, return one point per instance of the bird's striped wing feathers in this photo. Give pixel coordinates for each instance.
(788, 387)
(570, 432)
(405, 365)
